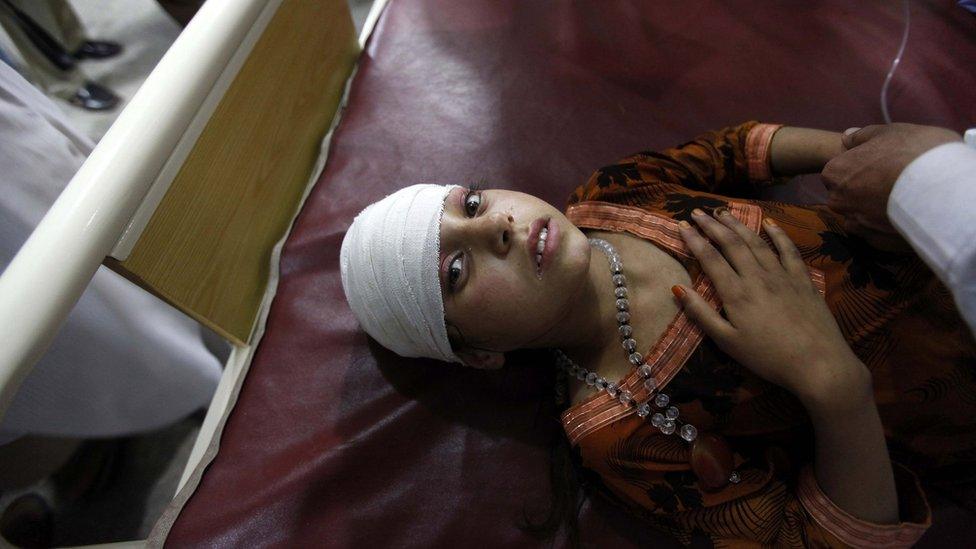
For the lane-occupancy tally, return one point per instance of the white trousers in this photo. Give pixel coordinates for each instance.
(123, 361)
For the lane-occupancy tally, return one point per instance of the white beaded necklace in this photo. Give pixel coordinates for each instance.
(666, 419)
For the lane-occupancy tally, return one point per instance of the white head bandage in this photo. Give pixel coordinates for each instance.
(389, 265)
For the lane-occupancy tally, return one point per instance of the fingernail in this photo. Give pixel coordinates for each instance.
(770, 222)
(678, 291)
(684, 224)
(696, 211)
(721, 211)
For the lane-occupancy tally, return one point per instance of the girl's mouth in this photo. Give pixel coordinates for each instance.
(543, 238)
(539, 248)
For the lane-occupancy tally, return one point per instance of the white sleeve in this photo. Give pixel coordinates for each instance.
(932, 205)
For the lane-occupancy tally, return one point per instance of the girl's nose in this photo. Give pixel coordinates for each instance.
(499, 229)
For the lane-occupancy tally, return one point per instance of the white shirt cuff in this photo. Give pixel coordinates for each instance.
(931, 205)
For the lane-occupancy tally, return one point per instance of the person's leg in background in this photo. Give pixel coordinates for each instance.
(52, 68)
(59, 19)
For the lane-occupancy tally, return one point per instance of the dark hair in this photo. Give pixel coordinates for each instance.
(569, 482)
(567, 488)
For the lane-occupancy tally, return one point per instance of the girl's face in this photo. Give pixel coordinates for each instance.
(499, 295)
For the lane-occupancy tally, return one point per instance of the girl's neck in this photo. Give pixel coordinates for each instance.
(591, 324)
(590, 334)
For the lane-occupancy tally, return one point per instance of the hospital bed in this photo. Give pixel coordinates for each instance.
(226, 185)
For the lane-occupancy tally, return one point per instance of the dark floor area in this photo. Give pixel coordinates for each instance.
(109, 490)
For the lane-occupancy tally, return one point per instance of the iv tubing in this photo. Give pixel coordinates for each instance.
(894, 65)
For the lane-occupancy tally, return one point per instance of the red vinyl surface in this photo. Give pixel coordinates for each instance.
(337, 442)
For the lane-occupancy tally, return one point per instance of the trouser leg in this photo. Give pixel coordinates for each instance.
(36, 67)
(58, 18)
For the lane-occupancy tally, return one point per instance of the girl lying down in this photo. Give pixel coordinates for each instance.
(732, 369)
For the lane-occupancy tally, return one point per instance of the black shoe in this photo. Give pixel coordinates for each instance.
(95, 97)
(28, 522)
(97, 49)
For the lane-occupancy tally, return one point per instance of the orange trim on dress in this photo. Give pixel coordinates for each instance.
(682, 336)
(757, 151)
(848, 528)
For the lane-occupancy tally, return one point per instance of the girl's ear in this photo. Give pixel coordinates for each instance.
(483, 360)
(472, 357)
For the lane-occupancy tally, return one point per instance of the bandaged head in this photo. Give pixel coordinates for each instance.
(389, 266)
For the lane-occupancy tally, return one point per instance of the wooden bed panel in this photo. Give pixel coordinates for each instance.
(207, 246)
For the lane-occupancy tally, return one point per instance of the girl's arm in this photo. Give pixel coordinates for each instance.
(795, 151)
(851, 462)
(735, 161)
(732, 161)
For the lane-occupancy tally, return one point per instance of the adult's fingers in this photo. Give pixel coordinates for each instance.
(789, 256)
(703, 314)
(832, 173)
(712, 262)
(733, 248)
(853, 139)
(760, 250)
(838, 202)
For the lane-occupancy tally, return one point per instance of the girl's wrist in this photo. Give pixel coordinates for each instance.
(830, 144)
(803, 150)
(837, 387)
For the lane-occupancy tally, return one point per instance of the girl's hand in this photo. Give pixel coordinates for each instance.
(777, 323)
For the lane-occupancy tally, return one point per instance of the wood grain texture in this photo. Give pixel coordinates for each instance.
(207, 248)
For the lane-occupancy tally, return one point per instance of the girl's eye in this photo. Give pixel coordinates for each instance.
(472, 203)
(454, 271)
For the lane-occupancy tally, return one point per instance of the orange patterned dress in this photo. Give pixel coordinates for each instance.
(892, 310)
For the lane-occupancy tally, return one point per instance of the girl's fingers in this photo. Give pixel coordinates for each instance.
(789, 256)
(726, 280)
(733, 248)
(762, 252)
(699, 310)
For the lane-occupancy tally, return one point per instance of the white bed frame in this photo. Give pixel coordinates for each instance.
(110, 201)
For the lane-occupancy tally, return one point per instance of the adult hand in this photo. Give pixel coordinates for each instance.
(859, 180)
(776, 324)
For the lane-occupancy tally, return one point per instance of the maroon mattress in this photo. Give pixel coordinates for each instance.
(337, 442)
